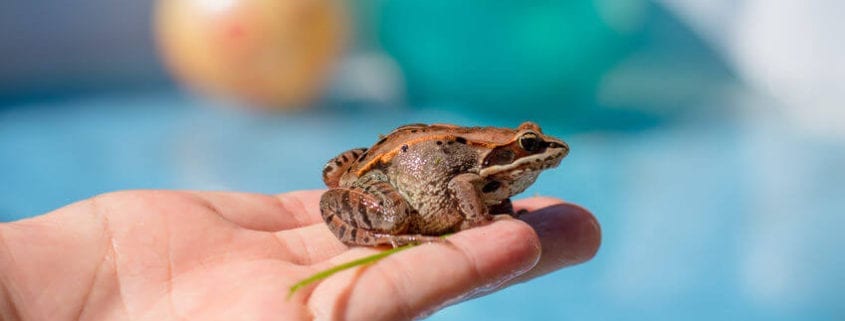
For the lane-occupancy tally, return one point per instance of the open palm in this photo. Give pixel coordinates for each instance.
(162, 255)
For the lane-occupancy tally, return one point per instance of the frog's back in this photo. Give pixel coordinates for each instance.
(403, 137)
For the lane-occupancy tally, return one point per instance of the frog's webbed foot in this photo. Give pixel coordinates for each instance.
(402, 240)
(505, 207)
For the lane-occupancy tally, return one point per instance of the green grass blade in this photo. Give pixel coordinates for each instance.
(329, 272)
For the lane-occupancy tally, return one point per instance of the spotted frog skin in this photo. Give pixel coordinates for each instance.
(423, 181)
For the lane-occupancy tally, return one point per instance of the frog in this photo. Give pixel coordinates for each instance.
(421, 182)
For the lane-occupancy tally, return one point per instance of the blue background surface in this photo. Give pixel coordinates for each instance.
(712, 216)
(714, 204)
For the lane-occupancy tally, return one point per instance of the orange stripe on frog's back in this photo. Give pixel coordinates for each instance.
(477, 136)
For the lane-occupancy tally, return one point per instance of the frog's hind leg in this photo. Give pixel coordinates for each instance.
(336, 167)
(376, 215)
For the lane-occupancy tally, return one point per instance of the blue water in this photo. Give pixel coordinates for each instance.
(734, 214)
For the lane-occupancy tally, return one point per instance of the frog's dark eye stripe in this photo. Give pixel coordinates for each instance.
(499, 157)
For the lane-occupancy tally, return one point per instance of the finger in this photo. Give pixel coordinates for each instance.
(311, 244)
(411, 283)
(265, 212)
(294, 217)
(569, 234)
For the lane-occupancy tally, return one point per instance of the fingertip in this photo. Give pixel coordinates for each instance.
(553, 218)
(569, 235)
(591, 229)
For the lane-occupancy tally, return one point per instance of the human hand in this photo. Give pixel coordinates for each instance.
(162, 255)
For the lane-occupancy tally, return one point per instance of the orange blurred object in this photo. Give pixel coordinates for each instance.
(270, 53)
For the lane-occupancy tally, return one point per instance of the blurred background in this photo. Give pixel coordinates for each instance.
(707, 136)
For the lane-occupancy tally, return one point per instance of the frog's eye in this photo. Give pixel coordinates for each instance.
(530, 142)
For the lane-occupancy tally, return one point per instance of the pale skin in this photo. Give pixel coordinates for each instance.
(163, 255)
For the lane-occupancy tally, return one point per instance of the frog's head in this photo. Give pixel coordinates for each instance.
(513, 164)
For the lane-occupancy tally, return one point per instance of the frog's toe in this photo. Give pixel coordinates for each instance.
(402, 240)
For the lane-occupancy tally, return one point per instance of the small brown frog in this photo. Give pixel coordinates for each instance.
(422, 181)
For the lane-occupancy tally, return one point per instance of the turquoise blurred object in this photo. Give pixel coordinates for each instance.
(500, 55)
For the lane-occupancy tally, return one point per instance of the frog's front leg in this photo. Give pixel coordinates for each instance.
(463, 189)
(371, 215)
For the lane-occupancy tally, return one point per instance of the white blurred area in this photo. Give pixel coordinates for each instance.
(792, 50)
